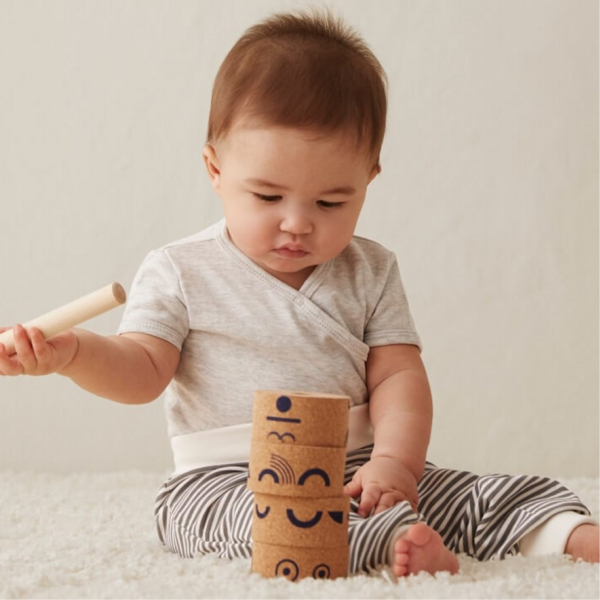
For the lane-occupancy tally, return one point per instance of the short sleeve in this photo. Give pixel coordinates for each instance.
(391, 322)
(155, 305)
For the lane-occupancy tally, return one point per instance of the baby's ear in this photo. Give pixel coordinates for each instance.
(212, 165)
(374, 172)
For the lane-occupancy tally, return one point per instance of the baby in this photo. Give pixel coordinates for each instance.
(281, 294)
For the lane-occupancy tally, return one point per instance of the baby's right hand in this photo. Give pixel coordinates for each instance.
(36, 356)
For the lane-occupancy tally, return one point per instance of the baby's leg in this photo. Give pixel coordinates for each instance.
(206, 511)
(489, 516)
(395, 537)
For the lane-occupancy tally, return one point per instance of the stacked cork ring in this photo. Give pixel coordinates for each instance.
(296, 471)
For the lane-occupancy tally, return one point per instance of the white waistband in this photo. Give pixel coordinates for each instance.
(232, 444)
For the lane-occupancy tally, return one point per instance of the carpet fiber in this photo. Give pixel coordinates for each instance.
(92, 536)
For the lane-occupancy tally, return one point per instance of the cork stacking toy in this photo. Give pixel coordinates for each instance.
(71, 314)
(296, 471)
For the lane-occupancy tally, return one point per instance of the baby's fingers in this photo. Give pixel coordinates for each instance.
(389, 499)
(353, 488)
(42, 349)
(24, 349)
(9, 365)
(369, 499)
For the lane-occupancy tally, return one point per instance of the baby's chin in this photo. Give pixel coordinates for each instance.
(294, 275)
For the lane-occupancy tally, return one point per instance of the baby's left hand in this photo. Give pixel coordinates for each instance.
(382, 483)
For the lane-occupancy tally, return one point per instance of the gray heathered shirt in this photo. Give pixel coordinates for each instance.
(240, 329)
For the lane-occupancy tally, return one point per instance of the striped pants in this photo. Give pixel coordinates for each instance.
(209, 510)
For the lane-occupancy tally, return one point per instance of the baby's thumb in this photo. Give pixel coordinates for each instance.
(353, 489)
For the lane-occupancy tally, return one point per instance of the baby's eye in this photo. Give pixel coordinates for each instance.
(268, 198)
(325, 204)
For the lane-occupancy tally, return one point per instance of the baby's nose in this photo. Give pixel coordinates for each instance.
(296, 223)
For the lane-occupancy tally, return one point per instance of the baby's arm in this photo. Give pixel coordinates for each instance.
(401, 414)
(131, 368)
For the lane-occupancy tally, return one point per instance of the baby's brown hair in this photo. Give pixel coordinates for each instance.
(308, 71)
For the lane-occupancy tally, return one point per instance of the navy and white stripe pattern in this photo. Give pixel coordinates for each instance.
(209, 510)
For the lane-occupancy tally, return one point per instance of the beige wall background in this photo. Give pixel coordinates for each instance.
(488, 195)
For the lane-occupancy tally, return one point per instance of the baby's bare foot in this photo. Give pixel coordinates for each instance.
(420, 548)
(583, 543)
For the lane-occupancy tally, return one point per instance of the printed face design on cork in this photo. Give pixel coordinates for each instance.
(298, 444)
(283, 404)
(296, 471)
(289, 569)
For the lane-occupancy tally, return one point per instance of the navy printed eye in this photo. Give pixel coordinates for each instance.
(314, 473)
(294, 520)
(269, 472)
(281, 436)
(287, 568)
(284, 404)
(262, 515)
(321, 571)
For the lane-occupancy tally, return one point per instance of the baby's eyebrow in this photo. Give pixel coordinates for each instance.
(346, 190)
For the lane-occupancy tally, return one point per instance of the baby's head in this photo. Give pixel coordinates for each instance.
(295, 131)
(307, 71)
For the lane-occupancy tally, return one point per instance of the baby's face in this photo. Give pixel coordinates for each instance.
(291, 199)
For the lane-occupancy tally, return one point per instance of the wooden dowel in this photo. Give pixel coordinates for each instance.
(72, 314)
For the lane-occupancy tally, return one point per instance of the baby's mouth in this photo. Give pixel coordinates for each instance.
(291, 251)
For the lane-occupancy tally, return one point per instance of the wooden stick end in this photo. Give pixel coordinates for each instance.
(119, 293)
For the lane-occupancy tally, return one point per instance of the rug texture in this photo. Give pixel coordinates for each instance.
(93, 536)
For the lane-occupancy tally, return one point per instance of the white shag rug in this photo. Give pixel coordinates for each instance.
(92, 536)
